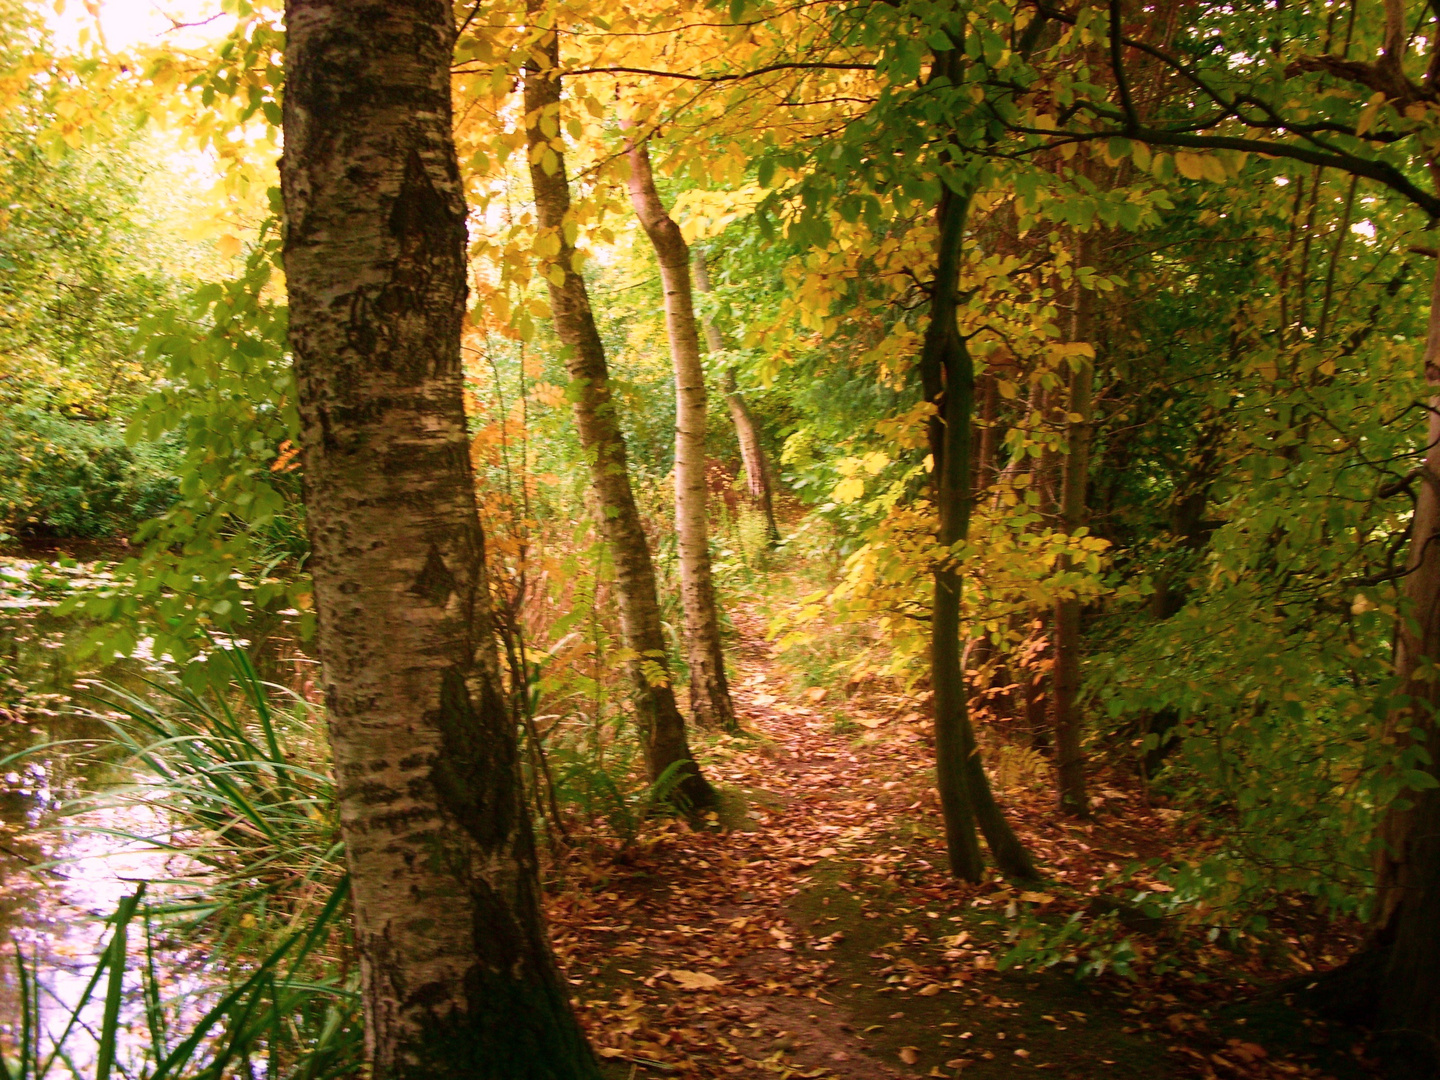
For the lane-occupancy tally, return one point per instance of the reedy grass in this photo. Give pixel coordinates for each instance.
(237, 774)
(235, 771)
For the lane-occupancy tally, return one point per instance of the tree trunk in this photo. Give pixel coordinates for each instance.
(758, 476)
(988, 437)
(1069, 754)
(597, 421)
(709, 693)
(980, 653)
(456, 972)
(1407, 923)
(948, 376)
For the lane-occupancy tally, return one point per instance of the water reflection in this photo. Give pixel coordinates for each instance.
(62, 876)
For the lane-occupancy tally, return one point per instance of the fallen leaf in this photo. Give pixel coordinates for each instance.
(695, 980)
(929, 991)
(1247, 1051)
(1036, 897)
(909, 1054)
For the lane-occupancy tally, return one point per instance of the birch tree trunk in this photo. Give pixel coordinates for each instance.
(948, 376)
(456, 972)
(710, 703)
(597, 421)
(759, 478)
(1069, 755)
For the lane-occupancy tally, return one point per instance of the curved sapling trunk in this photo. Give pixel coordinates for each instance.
(710, 703)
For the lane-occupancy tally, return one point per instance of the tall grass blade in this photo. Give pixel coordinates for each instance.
(115, 991)
(182, 1053)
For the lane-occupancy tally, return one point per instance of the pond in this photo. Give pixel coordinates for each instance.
(62, 874)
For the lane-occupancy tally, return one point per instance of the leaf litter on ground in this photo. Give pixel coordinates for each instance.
(705, 952)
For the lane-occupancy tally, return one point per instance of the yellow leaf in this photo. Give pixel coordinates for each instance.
(848, 490)
(1213, 169)
(228, 246)
(695, 980)
(1141, 153)
(1368, 114)
(929, 991)
(1036, 897)
(1189, 165)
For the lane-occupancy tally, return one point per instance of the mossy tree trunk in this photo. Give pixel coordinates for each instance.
(457, 975)
(948, 377)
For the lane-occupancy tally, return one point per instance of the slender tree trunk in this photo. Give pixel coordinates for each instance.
(456, 972)
(980, 652)
(758, 476)
(948, 375)
(709, 693)
(987, 438)
(1032, 690)
(597, 421)
(1069, 755)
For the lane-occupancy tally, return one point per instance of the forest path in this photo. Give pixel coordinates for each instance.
(819, 935)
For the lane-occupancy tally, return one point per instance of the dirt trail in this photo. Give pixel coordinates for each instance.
(819, 936)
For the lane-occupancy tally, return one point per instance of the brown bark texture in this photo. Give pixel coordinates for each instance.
(710, 703)
(948, 376)
(456, 971)
(1407, 924)
(759, 478)
(597, 421)
(1075, 471)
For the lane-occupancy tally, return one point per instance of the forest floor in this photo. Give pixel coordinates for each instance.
(817, 934)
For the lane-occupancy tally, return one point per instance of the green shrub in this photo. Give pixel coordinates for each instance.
(62, 477)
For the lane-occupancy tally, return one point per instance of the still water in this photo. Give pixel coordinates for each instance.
(63, 872)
